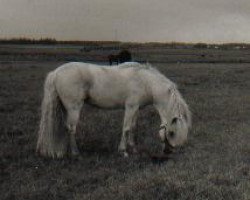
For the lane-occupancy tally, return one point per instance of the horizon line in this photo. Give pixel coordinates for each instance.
(43, 39)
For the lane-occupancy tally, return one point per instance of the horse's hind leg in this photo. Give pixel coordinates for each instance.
(72, 87)
(73, 107)
(73, 116)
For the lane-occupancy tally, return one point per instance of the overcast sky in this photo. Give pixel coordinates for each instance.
(127, 20)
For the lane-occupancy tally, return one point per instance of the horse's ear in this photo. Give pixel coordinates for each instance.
(174, 120)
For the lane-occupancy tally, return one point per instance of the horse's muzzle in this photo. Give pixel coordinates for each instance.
(168, 148)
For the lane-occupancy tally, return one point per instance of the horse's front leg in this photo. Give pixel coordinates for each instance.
(130, 111)
(131, 135)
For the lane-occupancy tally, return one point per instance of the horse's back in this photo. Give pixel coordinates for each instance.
(99, 85)
(114, 86)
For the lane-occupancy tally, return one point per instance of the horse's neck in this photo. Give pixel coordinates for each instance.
(176, 104)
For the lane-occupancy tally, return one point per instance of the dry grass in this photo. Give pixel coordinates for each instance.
(215, 164)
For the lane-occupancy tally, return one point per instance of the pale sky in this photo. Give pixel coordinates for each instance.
(127, 20)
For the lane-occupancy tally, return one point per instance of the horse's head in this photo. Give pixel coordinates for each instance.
(173, 134)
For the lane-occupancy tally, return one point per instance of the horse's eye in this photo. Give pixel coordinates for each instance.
(171, 134)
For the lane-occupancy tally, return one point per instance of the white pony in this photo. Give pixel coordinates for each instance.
(129, 85)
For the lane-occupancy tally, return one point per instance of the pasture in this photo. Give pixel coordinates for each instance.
(214, 164)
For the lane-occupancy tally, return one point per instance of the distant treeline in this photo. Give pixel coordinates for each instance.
(51, 41)
(28, 41)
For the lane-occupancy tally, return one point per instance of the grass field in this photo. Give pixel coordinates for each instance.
(215, 163)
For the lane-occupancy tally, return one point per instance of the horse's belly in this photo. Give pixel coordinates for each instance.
(109, 99)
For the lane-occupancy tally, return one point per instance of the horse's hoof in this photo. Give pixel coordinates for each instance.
(135, 151)
(159, 159)
(75, 153)
(76, 157)
(79, 158)
(132, 149)
(167, 151)
(123, 153)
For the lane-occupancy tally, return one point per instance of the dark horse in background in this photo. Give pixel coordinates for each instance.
(123, 56)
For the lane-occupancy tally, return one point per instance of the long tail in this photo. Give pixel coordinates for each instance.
(52, 137)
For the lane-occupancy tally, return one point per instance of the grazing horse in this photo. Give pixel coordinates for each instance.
(129, 85)
(113, 58)
(123, 56)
